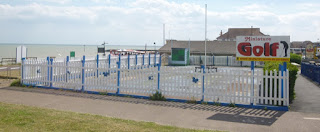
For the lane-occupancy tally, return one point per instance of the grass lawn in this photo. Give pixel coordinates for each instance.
(26, 118)
(10, 73)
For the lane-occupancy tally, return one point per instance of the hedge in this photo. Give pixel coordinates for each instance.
(295, 58)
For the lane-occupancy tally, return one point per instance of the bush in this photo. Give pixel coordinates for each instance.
(293, 70)
(295, 58)
(158, 96)
(16, 83)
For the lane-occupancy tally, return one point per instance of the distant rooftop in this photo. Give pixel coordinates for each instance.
(233, 32)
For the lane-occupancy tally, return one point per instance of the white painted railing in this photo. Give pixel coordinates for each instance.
(224, 85)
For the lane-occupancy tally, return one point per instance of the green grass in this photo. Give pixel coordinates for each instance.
(26, 118)
(16, 83)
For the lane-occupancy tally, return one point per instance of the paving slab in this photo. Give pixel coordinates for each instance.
(307, 96)
(168, 113)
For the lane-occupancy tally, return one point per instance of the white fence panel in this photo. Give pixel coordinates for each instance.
(229, 86)
(35, 72)
(224, 85)
(139, 80)
(181, 82)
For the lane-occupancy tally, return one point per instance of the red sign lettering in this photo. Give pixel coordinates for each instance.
(245, 49)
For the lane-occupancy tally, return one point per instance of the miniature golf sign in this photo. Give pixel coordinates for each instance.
(263, 48)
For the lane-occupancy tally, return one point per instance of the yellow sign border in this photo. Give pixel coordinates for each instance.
(262, 59)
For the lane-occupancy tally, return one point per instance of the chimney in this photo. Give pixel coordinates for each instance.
(221, 33)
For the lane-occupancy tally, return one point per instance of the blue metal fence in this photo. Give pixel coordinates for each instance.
(311, 71)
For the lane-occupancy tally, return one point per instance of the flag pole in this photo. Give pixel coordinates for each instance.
(164, 34)
(205, 39)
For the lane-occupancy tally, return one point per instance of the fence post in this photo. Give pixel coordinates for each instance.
(252, 81)
(51, 72)
(227, 61)
(22, 71)
(118, 80)
(281, 83)
(159, 65)
(109, 60)
(48, 71)
(83, 77)
(203, 72)
(149, 60)
(213, 60)
(67, 63)
(154, 62)
(284, 69)
(97, 65)
(128, 61)
(143, 59)
(136, 59)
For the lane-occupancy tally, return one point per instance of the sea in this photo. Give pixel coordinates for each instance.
(63, 50)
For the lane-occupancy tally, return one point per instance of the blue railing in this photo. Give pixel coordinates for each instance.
(311, 71)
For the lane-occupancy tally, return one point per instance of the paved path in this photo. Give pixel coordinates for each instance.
(168, 113)
(307, 96)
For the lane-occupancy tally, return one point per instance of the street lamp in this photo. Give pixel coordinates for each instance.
(154, 47)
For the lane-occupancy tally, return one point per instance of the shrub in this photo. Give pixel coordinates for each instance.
(103, 93)
(16, 83)
(158, 96)
(293, 70)
(295, 58)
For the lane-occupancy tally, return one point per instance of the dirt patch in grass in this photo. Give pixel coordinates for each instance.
(5, 82)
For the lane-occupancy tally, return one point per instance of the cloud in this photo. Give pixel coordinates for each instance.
(54, 1)
(104, 1)
(141, 21)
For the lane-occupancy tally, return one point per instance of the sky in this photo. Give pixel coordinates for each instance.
(140, 22)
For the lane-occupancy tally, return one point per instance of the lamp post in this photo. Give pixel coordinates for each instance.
(154, 43)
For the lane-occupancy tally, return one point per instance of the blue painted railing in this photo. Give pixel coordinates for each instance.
(311, 71)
